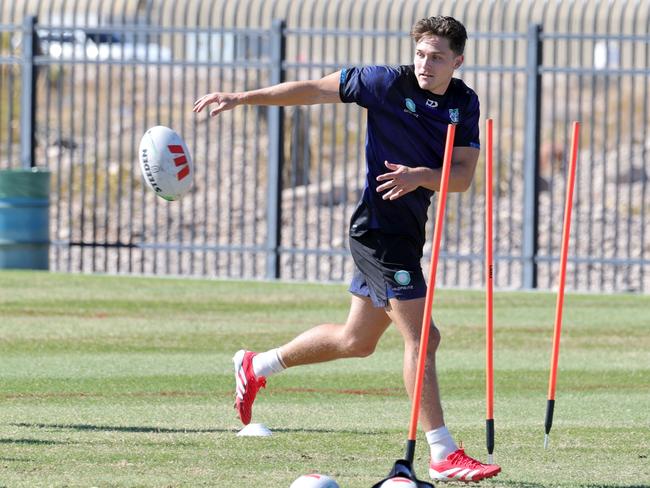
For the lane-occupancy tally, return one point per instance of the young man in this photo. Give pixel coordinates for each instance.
(409, 108)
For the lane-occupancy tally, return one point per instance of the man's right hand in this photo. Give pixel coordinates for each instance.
(224, 101)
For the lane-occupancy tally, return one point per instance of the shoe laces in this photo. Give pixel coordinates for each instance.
(461, 458)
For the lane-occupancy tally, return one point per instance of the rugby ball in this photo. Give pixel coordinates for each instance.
(314, 481)
(166, 163)
(399, 482)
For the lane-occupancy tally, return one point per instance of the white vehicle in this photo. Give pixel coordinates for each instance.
(95, 45)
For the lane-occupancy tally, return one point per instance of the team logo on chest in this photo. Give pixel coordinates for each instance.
(410, 107)
(454, 116)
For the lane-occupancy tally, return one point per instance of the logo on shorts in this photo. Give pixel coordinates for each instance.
(403, 277)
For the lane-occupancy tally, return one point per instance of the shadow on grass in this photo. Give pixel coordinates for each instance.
(165, 430)
(33, 442)
(115, 428)
(520, 484)
(331, 431)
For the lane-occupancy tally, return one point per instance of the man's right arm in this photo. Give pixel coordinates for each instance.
(310, 92)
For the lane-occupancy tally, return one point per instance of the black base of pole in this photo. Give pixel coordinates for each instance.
(548, 422)
(489, 435)
(410, 451)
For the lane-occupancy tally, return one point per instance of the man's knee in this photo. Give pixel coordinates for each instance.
(355, 346)
(434, 342)
(434, 338)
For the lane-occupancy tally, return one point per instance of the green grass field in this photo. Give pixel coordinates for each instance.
(120, 381)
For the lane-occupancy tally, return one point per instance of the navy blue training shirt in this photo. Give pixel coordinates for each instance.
(406, 125)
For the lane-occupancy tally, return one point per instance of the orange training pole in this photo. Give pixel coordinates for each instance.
(489, 297)
(426, 319)
(560, 293)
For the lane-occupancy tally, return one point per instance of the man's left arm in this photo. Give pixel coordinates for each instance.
(401, 179)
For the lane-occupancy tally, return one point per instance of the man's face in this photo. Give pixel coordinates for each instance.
(435, 63)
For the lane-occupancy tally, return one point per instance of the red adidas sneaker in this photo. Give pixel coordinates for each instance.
(246, 384)
(458, 466)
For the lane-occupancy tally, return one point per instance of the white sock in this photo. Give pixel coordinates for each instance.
(441, 443)
(267, 363)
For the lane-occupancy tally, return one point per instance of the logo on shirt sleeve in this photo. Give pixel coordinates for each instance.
(454, 115)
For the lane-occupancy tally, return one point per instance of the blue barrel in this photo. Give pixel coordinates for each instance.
(24, 219)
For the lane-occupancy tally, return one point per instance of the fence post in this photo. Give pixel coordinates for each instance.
(28, 94)
(276, 154)
(531, 156)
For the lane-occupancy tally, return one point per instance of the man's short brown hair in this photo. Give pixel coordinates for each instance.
(442, 26)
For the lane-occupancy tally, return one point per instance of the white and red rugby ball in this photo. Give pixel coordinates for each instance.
(166, 163)
(314, 481)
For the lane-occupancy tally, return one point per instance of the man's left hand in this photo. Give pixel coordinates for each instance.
(399, 181)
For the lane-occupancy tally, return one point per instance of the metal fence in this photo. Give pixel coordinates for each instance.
(275, 187)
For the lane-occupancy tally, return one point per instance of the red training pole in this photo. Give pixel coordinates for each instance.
(426, 318)
(550, 405)
(489, 297)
